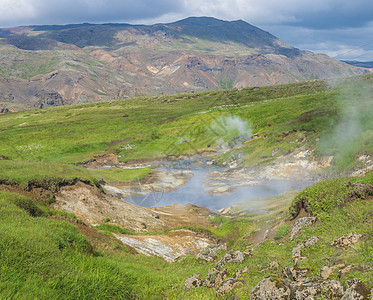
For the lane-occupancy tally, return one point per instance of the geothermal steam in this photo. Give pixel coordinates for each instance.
(230, 132)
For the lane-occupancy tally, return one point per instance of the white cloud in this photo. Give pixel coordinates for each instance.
(15, 10)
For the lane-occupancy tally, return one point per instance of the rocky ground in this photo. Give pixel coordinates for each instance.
(290, 282)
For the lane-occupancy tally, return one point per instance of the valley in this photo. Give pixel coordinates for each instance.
(293, 164)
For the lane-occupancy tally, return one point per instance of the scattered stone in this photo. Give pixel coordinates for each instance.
(227, 286)
(356, 290)
(308, 289)
(235, 256)
(295, 274)
(209, 253)
(193, 282)
(332, 289)
(345, 241)
(274, 265)
(312, 288)
(248, 252)
(345, 270)
(326, 271)
(238, 273)
(275, 150)
(296, 252)
(270, 288)
(300, 224)
(215, 277)
(352, 268)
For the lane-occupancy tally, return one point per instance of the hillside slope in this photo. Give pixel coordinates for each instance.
(42, 66)
(63, 235)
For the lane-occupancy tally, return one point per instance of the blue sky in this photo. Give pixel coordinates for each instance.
(340, 28)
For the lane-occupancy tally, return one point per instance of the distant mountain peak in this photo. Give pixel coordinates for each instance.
(77, 63)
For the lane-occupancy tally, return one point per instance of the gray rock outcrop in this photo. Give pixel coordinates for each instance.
(227, 286)
(300, 224)
(346, 241)
(209, 253)
(233, 256)
(193, 282)
(271, 288)
(355, 290)
(296, 252)
(215, 277)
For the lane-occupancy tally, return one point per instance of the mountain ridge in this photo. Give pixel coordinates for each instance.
(90, 62)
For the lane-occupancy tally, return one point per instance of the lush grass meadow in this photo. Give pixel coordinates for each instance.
(46, 254)
(333, 121)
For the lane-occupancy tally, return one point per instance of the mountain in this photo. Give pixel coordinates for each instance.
(43, 66)
(362, 64)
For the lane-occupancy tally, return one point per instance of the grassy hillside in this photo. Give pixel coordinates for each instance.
(334, 121)
(52, 255)
(50, 259)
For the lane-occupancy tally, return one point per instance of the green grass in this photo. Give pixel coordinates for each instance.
(282, 231)
(24, 172)
(322, 198)
(50, 259)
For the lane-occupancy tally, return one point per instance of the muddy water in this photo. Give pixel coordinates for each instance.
(203, 192)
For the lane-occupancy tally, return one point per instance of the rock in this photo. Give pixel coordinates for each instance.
(326, 271)
(275, 150)
(345, 270)
(287, 273)
(332, 289)
(294, 273)
(296, 252)
(227, 286)
(345, 241)
(309, 289)
(248, 252)
(215, 277)
(193, 282)
(238, 273)
(300, 224)
(235, 256)
(209, 253)
(312, 288)
(353, 268)
(273, 265)
(356, 290)
(271, 288)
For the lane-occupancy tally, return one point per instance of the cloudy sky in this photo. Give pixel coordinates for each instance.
(341, 28)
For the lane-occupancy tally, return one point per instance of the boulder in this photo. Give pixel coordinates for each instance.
(355, 290)
(295, 274)
(209, 253)
(238, 273)
(332, 289)
(215, 277)
(227, 286)
(346, 241)
(352, 268)
(300, 224)
(271, 288)
(312, 288)
(193, 282)
(235, 256)
(296, 252)
(309, 289)
(326, 271)
(274, 265)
